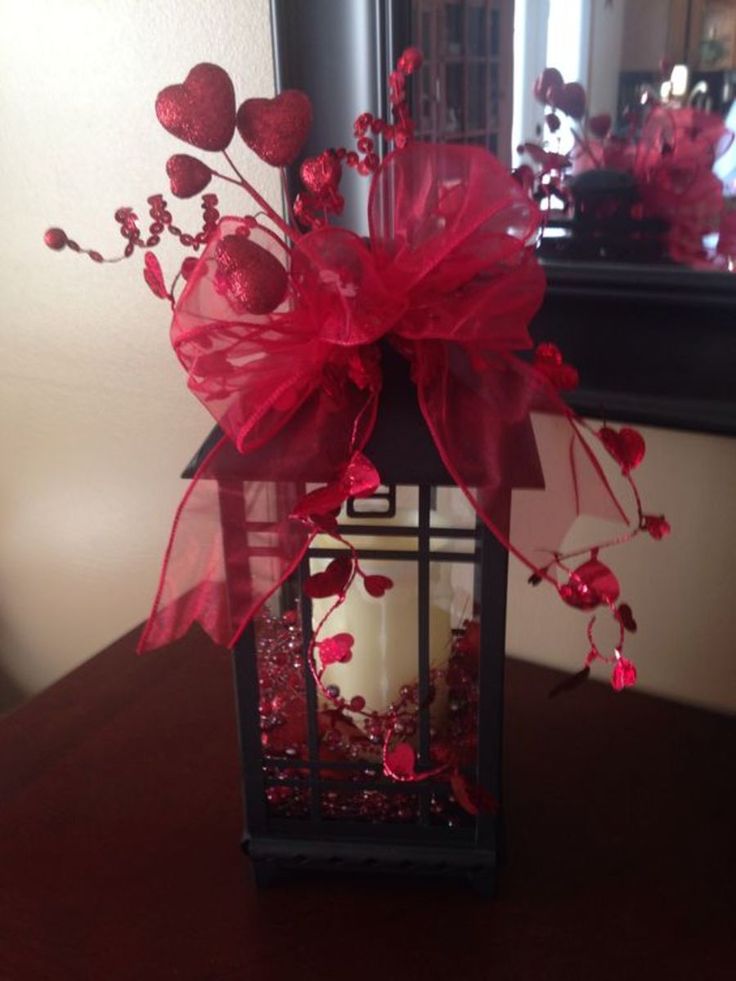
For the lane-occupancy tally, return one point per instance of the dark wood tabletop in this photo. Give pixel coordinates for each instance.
(120, 820)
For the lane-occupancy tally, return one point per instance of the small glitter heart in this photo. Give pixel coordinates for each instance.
(187, 175)
(627, 446)
(322, 173)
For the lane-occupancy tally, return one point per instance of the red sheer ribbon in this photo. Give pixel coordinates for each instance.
(449, 278)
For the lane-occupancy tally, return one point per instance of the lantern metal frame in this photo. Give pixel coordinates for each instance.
(402, 449)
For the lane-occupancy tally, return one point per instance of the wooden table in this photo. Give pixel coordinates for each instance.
(120, 818)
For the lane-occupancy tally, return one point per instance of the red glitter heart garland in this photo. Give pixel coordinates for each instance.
(591, 584)
(376, 585)
(337, 649)
(626, 446)
(359, 479)
(332, 581)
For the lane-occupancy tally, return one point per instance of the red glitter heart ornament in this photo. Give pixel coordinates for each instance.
(321, 173)
(276, 129)
(401, 761)
(657, 526)
(627, 617)
(337, 649)
(253, 279)
(627, 446)
(361, 479)
(324, 501)
(591, 584)
(201, 110)
(624, 674)
(377, 585)
(332, 581)
(187, 175)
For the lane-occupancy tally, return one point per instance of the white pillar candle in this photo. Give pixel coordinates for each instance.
(386, 648)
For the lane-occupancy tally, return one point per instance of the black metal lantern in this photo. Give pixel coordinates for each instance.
(316, 796)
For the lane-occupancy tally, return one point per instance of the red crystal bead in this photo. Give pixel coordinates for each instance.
(55, 238)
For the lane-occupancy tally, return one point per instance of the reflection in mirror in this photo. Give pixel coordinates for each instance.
(627, 145)
(462, 91)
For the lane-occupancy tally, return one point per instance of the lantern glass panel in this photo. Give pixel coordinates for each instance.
(385, 650)
(414, 661)
(451, 509)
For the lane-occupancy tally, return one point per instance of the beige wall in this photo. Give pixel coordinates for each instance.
(96, 418)
(604, 56)
(646, 34)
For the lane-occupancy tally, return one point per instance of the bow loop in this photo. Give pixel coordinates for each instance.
(280, 344)
(452, 231)
(338, 287)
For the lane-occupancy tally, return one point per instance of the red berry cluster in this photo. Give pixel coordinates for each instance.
(321, 178)
(321, 175)
(57, 239)
(162, 220)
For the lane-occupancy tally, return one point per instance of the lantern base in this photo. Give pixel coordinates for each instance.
(275, 861)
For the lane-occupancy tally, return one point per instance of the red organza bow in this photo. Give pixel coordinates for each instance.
(281, 347)
(672, 162)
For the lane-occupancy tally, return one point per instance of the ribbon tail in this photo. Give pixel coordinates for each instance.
(234, 541)
(501, 430)
(232, 545)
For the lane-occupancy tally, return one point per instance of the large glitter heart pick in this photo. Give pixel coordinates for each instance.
(276, 129)
(253, 279)
(201, 110)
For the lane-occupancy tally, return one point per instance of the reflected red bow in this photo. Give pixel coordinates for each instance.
(671, 158)
(280, 344)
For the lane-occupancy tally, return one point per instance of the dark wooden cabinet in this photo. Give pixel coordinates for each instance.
(654, 344)
(464, 90)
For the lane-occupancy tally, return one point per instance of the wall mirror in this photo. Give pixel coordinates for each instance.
(639, 196)
(628, 143)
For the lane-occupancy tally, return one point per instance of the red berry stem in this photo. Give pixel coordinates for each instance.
(261, 201)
